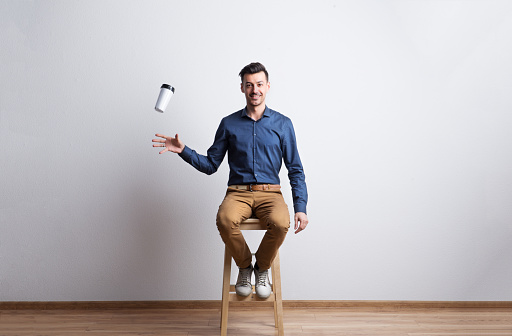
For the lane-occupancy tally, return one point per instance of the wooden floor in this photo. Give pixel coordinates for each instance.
(259, 321)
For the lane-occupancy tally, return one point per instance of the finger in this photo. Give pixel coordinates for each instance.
(161, 136)
(303, 224)
(158, 140)
(298, 226)
(165, 150)
(302, 227)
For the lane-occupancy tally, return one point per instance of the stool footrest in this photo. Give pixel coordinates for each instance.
(252, 297)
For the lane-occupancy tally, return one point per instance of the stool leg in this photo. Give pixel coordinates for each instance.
(225, 293)
(278, 302)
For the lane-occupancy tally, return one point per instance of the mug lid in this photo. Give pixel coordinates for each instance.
(168, 87)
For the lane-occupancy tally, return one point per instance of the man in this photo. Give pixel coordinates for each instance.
(257, 140)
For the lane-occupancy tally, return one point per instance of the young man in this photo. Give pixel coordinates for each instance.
(257, 140)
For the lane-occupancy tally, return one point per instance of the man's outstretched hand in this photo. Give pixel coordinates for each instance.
(169, 144)
(301, 221)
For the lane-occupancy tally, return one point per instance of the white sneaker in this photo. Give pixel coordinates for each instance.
(243, 285)
(262, 283)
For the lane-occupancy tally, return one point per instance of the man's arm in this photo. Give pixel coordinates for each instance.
(207, 164)
(297, 178)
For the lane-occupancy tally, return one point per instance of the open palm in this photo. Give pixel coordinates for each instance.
(169, 144)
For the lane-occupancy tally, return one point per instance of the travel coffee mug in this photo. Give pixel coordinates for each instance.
(166, 92)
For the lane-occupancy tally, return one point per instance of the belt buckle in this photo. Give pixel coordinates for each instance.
(250, 187)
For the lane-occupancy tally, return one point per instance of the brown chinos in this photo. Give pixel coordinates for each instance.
(270, 207)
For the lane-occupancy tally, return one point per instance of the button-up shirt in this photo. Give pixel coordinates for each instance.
(256, 150)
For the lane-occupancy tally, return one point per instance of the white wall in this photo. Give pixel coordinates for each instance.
(402, 111)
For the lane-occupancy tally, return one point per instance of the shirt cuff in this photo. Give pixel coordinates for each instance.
(186, 153)
(300, 208)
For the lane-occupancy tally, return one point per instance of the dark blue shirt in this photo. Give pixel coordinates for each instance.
(256, 150)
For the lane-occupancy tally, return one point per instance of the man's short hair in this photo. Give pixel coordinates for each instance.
(252, 69)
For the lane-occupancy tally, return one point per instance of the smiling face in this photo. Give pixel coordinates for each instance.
(255, 87)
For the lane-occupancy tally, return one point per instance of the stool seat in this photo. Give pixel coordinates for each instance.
(228, 290)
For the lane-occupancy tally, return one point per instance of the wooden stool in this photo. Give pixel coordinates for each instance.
(228, 290)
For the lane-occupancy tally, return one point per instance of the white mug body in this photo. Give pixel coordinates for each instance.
(166, 92)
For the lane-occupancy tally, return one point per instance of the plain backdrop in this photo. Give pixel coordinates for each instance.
(403, 116)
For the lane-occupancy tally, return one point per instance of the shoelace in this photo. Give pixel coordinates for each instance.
(244, 278)
(262, 278)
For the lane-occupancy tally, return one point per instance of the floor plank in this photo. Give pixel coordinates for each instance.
(259, 321)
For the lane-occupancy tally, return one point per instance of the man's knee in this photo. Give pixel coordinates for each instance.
(280, 223)
(226, 220)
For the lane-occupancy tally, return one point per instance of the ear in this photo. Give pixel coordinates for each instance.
(242, 87)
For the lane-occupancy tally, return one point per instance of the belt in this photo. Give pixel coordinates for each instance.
(255, 187)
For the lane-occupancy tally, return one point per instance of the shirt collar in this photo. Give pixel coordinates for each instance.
(266, 113)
